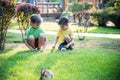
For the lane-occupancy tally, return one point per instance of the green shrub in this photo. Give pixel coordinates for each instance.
(110, 13)
(55, 0)
(102, 17)
(115, 18)
(74, 7)
(7, 11)
(110, 3)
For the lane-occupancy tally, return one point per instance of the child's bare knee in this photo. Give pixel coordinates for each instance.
(67, 38)
(31, 37)
(42, 35)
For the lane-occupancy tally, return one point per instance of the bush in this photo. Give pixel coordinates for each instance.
(7, 11)
(100, 17)
(75, 7)
(55, 0)
(115, 18)
(103, 17)
(110, 13)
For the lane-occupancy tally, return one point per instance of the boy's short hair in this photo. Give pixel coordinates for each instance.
(63, 21)
(36, 18)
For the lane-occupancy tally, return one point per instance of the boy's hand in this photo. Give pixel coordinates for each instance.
(67, 46)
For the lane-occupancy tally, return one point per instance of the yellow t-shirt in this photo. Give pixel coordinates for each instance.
(61, 33)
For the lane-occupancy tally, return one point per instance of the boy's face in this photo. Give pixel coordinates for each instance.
(35, 25)
(64, 27)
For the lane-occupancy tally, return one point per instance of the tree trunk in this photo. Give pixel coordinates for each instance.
(2, 40)
(66, 3)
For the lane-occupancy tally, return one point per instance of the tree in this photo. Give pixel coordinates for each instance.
(7, 11)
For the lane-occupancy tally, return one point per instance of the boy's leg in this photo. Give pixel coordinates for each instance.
(68, 40)
(31, 41)
(41, 40)
(62, 46)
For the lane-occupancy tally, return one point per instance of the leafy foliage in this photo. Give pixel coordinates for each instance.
(110, 13)
(74, 7)
(114, 6)
(23, 13)
(55, 0)
(7, 11)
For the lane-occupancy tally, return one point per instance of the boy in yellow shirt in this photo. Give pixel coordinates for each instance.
(64, 35)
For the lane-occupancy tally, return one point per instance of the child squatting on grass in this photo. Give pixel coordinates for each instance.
(35, 38)
(64, 35)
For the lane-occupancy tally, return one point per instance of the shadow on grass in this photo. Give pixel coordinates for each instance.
(12, 61)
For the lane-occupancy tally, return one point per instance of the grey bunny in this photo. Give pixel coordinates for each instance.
(46, 74)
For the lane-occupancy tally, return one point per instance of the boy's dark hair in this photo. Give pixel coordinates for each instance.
(36, 18)
(63, 21)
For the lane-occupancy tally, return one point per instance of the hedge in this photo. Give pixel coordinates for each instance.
(103, 17)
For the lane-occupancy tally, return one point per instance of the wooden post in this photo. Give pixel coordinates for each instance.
(66, 3)
(80, 0)
(94, 4)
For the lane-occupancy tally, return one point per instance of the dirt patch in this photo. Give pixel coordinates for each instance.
(14, 45)
(90, 43)
(108, 44)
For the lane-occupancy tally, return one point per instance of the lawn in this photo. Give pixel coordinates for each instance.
(92, 59)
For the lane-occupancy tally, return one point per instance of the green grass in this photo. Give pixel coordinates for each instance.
(79, 64)
(52, 26)
(106, 30)
(13, 38)
(92, 59)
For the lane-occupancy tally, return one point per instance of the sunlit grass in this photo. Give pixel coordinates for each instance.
(79, 64)
(106, 30)
(84, 63)
(88, 62)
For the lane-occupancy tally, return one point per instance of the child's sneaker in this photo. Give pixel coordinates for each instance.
(63, 49)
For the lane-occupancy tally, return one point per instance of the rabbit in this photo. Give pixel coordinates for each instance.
(46, 74)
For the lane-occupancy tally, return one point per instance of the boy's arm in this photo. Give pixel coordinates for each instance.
(72, 39)
(25, 41)
(55, 42)
(70, 43)
(57, 38)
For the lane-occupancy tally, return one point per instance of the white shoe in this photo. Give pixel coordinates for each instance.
(63, 49)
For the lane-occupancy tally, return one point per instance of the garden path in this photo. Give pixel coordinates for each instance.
(117, 36)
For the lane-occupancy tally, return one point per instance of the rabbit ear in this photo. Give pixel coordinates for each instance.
(42, 71)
